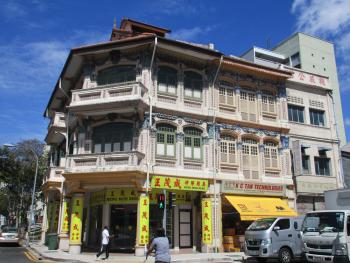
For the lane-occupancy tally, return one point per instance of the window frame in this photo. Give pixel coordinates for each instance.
(167, 85)
(226, 142)
(192, 138)
(102, 80)
(270, 103)
(322, 171)
(166, 143)
(271, 150)
(299, 113)
(192, 88)
(315, 117)
(224, 90)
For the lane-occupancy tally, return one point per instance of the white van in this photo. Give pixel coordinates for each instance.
(275, 238)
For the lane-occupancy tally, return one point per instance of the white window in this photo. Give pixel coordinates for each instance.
(226, 95)
(248, 106)
(271, 155)
(268, 104)
(228, 150)
(250, 159)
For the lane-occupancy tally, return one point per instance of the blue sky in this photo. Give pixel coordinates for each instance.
(36, 36)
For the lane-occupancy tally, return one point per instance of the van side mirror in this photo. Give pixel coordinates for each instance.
(276, 228)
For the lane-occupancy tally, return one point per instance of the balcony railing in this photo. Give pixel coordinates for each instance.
(128, 91)
(105, 162)
(59, 120)
(54, 174)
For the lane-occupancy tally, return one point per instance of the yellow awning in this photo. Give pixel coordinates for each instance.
(251, 208)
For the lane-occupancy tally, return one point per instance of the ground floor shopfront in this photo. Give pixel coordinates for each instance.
(132, 215)
(244, 202)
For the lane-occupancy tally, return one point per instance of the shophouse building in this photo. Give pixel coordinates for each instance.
(143, 115)
(313, 135)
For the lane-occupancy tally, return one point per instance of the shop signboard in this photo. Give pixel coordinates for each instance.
(121, 196)
(252, 188)
(207, 233)
(76, 220)
(144, 220)
(65, 223)
(175, 183)
(130, 196)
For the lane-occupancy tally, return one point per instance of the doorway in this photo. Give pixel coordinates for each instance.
(185, 228)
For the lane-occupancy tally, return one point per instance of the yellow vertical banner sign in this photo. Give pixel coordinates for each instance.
(55, 215)
(65, 219)
(76, 220)
(207, 233)
(144, 220)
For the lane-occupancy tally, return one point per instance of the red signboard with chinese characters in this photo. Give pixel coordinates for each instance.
(309, 79)
(175, 183)
(144, 220)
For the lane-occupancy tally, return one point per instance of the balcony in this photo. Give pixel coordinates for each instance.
(56, 128)
(53, 175)
(120, 95)
(105, 162)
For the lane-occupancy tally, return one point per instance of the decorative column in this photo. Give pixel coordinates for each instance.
(262, 158)
(44, 228)
(259, 105)
(142, 232)
(64, 231)
(76, 223)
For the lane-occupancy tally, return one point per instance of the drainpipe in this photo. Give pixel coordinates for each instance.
(339, 180)
(150, 116)
(214, 159)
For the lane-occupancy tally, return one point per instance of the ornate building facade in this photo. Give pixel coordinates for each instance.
(143, 116)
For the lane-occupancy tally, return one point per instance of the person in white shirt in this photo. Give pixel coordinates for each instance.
(105, 243)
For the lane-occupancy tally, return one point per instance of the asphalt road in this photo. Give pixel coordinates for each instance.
(13, 254)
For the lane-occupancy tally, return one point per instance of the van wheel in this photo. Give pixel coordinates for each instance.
(285, 255)
(261, 260)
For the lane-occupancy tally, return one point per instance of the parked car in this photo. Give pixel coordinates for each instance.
(9, 234)
(275, 238)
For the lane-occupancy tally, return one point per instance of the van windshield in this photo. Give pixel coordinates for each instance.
(261, 224)
(324, 222)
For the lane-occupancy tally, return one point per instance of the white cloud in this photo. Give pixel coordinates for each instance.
(36, 65)
(190, 34)
(322, 16)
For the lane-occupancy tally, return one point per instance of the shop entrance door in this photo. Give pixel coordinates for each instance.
(185, 228)
(123, 227)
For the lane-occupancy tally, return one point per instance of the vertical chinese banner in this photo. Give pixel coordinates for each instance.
(76, 220)
(65, 219)
(207, 233)
(55, 215)
(144, 220)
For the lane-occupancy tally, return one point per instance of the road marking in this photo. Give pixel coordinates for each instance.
(33, 258)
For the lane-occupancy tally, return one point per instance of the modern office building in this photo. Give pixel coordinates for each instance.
(142, 118)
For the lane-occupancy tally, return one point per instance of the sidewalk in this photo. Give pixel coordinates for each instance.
(44, 253)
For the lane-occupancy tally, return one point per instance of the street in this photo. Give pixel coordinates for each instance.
(12, 253)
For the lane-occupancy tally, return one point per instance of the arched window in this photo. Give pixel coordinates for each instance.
(166, 140)
(250, 159)
(193, 85)
(117, 74)
(113, 137)
(228, 149)
(167, 80)
(193, 143)
(270, 154)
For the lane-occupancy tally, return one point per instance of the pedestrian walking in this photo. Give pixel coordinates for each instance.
(161, 246)
(105, 243)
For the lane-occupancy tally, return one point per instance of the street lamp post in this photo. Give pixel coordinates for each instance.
(33, 192)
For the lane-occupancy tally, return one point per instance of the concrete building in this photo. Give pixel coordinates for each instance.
(316, 55)
(314, 141)
(345, 155)
(142, 115)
